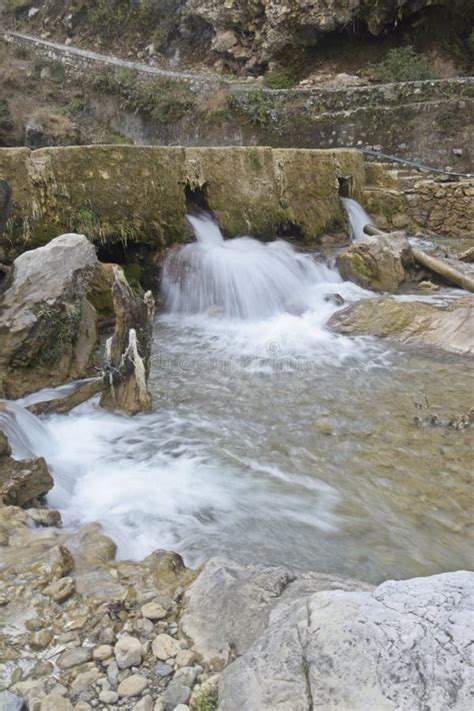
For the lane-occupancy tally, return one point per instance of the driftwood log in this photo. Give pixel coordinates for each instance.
(436, 265)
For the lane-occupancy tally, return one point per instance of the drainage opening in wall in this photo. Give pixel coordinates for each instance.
(197, 198)
(290, 230)
(345, 186)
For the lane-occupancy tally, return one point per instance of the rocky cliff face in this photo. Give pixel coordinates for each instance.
(256, 32)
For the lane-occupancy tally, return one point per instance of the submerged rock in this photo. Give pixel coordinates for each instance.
(449, 327)
(129, 350)
(47, 325)
(377, 262)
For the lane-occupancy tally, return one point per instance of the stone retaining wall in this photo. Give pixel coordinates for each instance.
(430, 121)
(139, 194)
(443, 208)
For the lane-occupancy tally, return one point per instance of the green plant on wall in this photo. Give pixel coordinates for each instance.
(402, 64)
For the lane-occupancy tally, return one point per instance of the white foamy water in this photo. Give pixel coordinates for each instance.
(271, 440)
(358, 218)
(256, 300)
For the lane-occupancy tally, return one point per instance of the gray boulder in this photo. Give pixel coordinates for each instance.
(47, 325)
(377, 262)
(229, 606)
(309, 641)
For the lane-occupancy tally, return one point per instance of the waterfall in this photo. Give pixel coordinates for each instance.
(26, 433)
(238, 278)
(358, 218)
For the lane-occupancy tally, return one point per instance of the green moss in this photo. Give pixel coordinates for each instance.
(55, 331)
(134, 274)
(253, 158)
(41, 234)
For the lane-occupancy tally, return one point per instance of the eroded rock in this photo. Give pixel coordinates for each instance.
(447, 327)
(377, 262)
(405, 645)
(22, 482)
(47, 326)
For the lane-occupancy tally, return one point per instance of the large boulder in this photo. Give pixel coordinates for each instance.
(47, 325)
(304, 641)
(448, 327)
(377, 262)
(405, 645)
(230, 605)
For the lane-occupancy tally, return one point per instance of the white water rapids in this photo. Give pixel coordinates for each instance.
(271, 439)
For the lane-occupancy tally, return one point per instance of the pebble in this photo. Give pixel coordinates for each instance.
(153, 611)
(145, 704)
(107, 636)
(176, 694)
(181, 707)
(40, 640)
(113, 673)
(108, 697)
(185, 658)
(163, 670)
(104, 651)
(74, 657)
(128, 652)
(61, 589)
(55, 702)
(143, 627)
(82, 706)
(164, 647)
(133, 685)
(84, 680)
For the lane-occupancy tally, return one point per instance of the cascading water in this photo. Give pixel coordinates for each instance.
(241, 277)
(26, 433)
(272, 440)
(358, 218)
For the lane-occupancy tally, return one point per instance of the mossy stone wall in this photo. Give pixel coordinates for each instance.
(135, 194)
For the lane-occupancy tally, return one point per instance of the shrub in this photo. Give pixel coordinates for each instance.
(402, 64)
(281, 78)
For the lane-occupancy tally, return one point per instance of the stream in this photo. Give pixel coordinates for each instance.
(272, 439)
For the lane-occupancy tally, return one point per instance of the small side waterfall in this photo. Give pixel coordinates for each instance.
(358, 218)
(238, 278)
(26, 433)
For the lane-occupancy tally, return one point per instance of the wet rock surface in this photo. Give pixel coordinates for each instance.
(448, 327)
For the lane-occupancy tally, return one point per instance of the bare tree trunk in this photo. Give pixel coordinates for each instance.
(128, 353)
